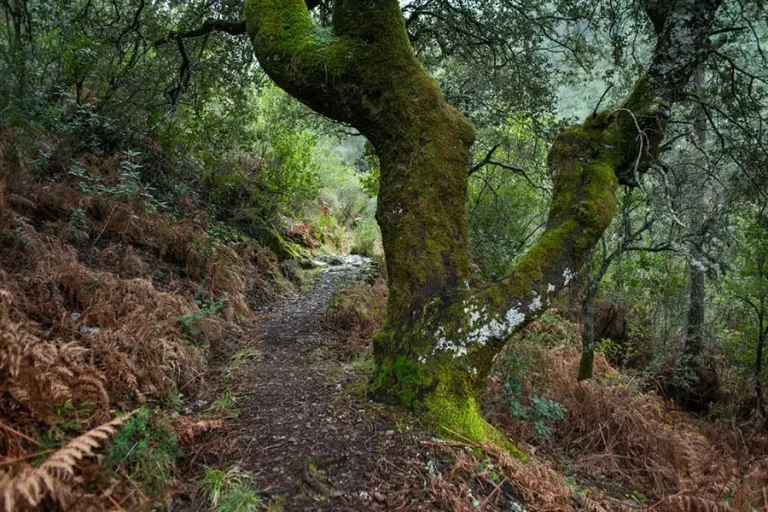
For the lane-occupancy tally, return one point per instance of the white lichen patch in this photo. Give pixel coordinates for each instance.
(459, 349)
(515, 317)
(535, 304)
(550, 288)
(568, 275)
(480, 329)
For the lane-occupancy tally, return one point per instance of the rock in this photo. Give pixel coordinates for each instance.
(379, 497)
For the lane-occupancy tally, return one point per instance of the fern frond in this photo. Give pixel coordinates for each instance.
(693, 504)
(51, 478)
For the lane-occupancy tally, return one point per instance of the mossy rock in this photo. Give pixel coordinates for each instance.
(284, 249)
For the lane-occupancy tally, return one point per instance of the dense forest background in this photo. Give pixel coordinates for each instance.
(157, 188)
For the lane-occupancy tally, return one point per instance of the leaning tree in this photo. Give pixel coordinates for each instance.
(439, 339)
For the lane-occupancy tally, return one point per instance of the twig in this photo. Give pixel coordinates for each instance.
(134, 484)
(594, 112)
(112, 500)
(495, 490)
(25, 457)
(289, 441)
(109, 217)
(6, 427)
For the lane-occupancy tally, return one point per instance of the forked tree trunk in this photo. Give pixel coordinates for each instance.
(439, 338)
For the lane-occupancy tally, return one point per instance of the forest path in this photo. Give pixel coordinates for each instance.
(310, 442)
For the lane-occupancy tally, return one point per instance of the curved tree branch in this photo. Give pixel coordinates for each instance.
(234, 28)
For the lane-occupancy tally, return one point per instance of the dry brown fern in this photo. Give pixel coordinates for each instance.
(52, 479)
(681, 503)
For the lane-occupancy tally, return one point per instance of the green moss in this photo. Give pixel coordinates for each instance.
(586, 365)
(463, 421)
(403, 381)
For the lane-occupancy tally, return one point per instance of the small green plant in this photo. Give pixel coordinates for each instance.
(540, 411)
(146, 450)
(231, 491)
(128, 188)
(176, 397)
(191, 324)
(78, 219)
(71, 418)
(211, 307)
(225, 401)
(487, 466)
(224, 234)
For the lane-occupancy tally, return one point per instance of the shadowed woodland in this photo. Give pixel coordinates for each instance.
(368, 254)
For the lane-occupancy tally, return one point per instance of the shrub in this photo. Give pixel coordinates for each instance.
(366, 239)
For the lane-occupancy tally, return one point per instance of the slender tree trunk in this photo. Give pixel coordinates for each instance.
(689, 368)
(439, 339)
(761, 333)
(694, 340)
(586, 363)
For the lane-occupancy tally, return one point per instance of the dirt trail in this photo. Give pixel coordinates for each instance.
(303, 435)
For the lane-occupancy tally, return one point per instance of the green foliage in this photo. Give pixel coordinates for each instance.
(146, 450)
(505, 211)
(361, 368)
(326, 228)
(746, 296)
(366, 239)
(231, 491)
(225, 401)
(526, 405)
(70, 419)
(191, 323)
(128, 188)
(539, 411)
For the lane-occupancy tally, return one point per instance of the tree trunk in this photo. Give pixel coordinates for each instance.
(694, 339)
(761, 334)
(586, 363)
(689, 369)
(439, 339)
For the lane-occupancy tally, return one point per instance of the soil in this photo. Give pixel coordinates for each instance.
(304, 430)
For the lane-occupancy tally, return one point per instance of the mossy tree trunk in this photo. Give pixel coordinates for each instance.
(439, 339)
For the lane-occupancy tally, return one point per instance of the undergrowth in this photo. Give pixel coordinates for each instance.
(109, 302)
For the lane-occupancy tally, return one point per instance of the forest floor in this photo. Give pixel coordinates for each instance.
(304, 429)
(301, 431)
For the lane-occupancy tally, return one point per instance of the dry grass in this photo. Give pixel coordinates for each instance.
(356, 312)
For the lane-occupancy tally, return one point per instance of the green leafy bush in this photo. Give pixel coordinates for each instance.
(366, 238)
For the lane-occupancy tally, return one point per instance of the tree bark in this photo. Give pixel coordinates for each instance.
(436, 347)
(694, 340)
(689, 368)
(761, 335)
(586, 363)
